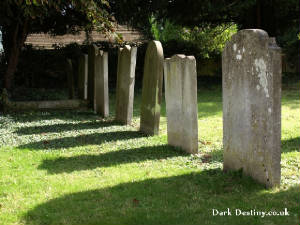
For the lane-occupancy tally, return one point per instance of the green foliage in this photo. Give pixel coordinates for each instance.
(19, 18)
(289, 41)
(155, 28)
(166, 31)
(55, 16)
(280, 18)
(189, 13)
(208, 41)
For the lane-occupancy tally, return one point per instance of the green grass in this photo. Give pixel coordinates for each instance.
(76, 168)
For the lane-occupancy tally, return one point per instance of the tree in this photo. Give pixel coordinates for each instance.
(280, 18)
(189, 13)
(270, 15)
(18, 18)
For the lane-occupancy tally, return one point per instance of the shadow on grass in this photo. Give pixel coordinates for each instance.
(86, 162)
(65, 127)
(213, 156)
(184, 199)
(67, 115)
(82, 140)
(290, 145)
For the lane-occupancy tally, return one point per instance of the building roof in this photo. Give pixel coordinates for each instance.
(47, 41)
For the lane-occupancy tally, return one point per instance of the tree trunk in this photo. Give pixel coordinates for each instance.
(18, 37)
(11, 67)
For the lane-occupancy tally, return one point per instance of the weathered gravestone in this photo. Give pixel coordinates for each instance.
(101, 101)
(251, 64)
(83, 76)
(125, 84)
(92, 50)
(152, 88)
(181, 102)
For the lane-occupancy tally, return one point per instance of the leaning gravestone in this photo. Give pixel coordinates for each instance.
(101, 101)
(125, 84)
(83, 76)
(152, 88)
(181, 102)
(251, 64)
(91, 73)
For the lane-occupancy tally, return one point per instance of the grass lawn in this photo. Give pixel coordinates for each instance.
(76, 168)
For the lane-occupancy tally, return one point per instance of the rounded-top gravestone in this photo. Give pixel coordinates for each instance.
(152, 88)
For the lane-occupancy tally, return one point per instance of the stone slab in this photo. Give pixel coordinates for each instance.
(125, 84)
(181, 102)
(152, 88)
(101, 101)
(251, 67)
(83, 76)
(70, 76)
(92, 49)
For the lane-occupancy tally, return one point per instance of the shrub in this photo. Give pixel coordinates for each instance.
(205, 42)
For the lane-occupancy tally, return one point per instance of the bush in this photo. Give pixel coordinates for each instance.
(205, 42)
(41, 68)
(289, 42)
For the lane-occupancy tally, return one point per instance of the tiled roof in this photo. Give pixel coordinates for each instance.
(47, 41)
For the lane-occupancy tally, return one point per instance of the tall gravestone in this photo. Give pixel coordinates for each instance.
(152, 88)
(101, 101)
(125, 84)
(91, 73)
(83, 76)
(251, 64)
(181, 102)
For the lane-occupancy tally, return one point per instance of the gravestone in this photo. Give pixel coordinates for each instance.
(70, 76)
(91, 73)
(101, 101)
(251, 66)
(152, 88)
(83, 76)
(181, 102)
(125, 84)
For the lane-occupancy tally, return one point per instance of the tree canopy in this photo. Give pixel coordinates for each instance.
(270, 15)
(18, 18)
